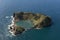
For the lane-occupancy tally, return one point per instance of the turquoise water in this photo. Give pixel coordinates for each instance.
(48, 7)
(27, 24)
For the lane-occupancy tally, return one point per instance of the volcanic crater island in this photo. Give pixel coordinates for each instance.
(21, 19)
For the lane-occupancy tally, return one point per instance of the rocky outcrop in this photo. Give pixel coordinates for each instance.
(38, 20)
(14, 30)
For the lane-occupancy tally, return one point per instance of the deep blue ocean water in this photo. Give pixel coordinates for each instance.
(48, 7)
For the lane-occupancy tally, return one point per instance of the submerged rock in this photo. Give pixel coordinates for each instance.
(38, 20)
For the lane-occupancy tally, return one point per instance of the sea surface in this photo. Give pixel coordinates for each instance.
(47, 7)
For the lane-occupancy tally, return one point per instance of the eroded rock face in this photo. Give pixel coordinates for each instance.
(38, 20)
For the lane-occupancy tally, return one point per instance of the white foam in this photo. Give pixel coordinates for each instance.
(11, 25)
(7, 17)
(12, 22)
(11, 16)
(12, 33)
(38, 28)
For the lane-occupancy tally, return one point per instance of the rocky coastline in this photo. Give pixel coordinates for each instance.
(38, 20)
